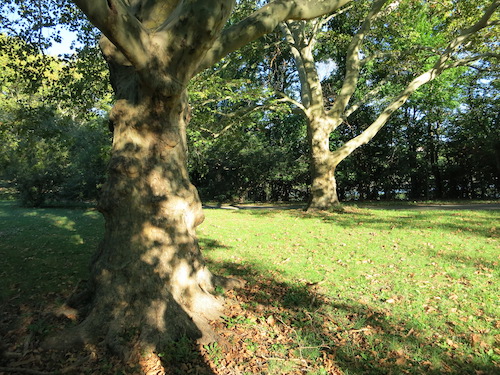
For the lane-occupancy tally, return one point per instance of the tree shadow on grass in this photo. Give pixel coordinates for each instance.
(45, 252)
(314, 333)
(274, 327)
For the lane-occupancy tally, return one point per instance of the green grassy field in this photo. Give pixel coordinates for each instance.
(375, 291)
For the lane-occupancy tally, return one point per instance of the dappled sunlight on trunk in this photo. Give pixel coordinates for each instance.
(149, 283)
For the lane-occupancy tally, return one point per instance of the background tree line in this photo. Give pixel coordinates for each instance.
(245, 141)
(54, 145)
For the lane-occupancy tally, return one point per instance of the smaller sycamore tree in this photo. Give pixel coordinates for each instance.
(381, 58)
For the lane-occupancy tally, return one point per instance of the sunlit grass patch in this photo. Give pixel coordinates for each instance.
(408, 290)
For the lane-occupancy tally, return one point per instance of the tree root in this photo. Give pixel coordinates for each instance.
(228, 283)
(10, 355)
(191, 320)
(81, 297)
(72, 338)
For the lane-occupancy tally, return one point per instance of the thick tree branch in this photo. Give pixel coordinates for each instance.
(353, 63)
(308, 73)
(120, 26)
(483, 22)
(370, 132)
(300, 63)
(186, 35)
(153, 14)
(265, 20)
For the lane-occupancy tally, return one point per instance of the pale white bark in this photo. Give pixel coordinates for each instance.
(354, 64)
(370, 132)
(311, 92)
(295, 42)
(286, 98)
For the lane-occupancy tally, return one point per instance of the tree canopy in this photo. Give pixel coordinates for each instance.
(405, 35)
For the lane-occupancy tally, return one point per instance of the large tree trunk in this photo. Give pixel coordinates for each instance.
(149, 273)
(149, 284)
(323, 185)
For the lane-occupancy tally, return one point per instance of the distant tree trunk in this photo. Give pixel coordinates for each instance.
(438, 181)
(322, 164)
(433, 146)
(414, 174)
(496, 150)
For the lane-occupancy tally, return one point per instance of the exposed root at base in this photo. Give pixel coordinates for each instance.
(20, 370)
(228, 283)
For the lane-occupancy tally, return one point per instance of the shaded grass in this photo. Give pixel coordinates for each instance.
(44, 250)
(374, 291)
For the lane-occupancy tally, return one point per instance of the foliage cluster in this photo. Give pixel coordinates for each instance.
(54, 139)
(245, 143)
(244, 146)
(442, 145)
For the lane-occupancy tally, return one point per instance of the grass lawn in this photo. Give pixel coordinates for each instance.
(365, 291)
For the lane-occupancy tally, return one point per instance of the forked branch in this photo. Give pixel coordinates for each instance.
(439, 67)
(120, 26)
(353, 64)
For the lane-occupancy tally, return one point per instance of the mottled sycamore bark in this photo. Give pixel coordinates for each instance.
(322, 167)
(149, 283)
(148, 276)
